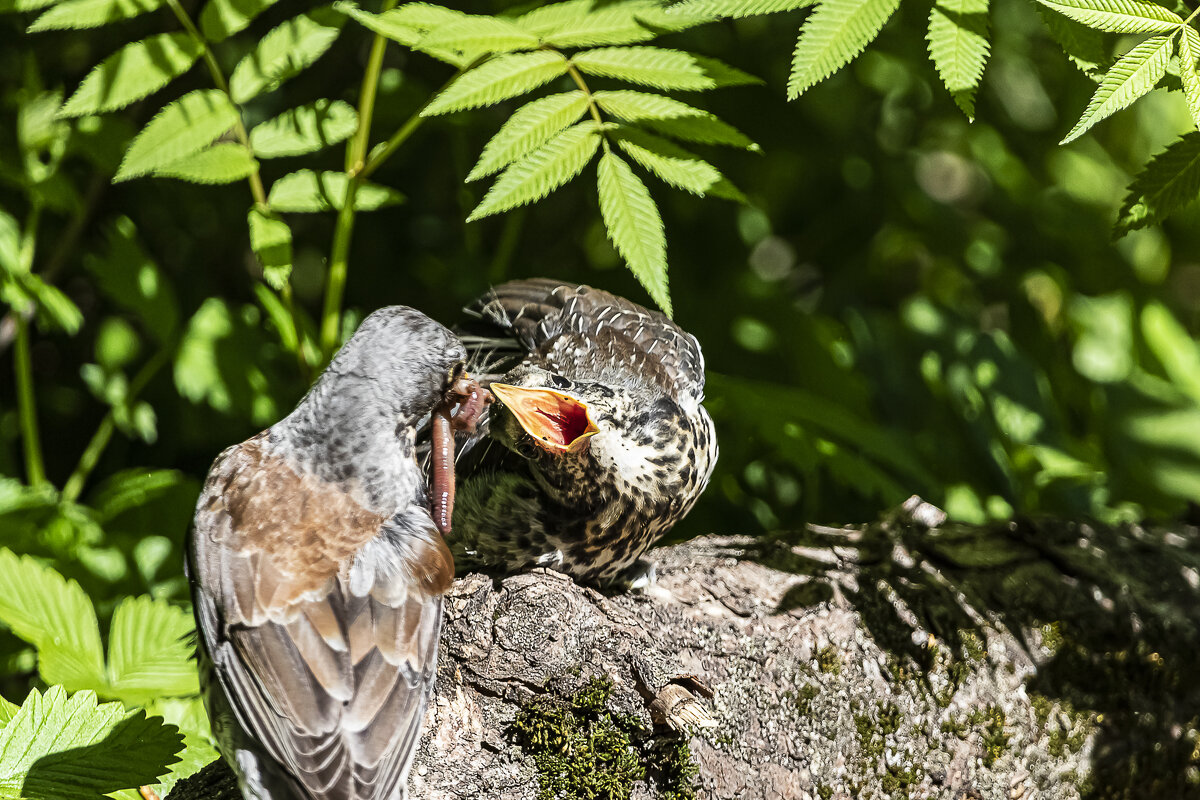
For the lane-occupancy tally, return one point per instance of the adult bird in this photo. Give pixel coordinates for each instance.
(317, 573)
(597, 443)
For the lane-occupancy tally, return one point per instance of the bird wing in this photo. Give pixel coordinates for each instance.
(587, 330)
(321, 620)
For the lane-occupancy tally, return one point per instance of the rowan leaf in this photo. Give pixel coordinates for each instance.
(408, 24)
(285, 52)
(19, 6)
(1134, 74)
(224, 162)
(271, 241)
(588, 23)
(77, 14)
(674, 165)
(149, 655)
(660, 68)
(958, 45)
(527, 129)
(832, 36)
(1118, 16)
(221, 19)
(498, 79)
(305, 191)
(736, 9)
(479, 34)
(304, 129)
(541, 171)
(133, 72)
(1168, 182)
(672, 117)
(634, 226)
(184, 127)
(1086, 47)
(1189, 50)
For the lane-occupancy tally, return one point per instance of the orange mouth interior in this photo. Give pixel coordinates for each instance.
(556, 421)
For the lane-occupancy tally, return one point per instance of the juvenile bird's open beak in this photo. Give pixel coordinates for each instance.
(557, 422)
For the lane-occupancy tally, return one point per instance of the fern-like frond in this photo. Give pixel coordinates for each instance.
(675, 166)
(527, 129)
(133, 72)
(659, 67)
(634, 226)
(1134, 74)
(475, 35)
(835, 33)
(1118, 16)
(498, 79)
(736, 9)
(285, 52)
(1189, 51)
(408, 25)
(958, 45)
(542, 171)
(672, 117)
(184, 127)
(1170, 181)
(78, 14)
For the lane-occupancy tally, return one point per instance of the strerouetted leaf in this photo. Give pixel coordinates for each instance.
(75, 14)
(284, 52)
(221, 19)
(131, 73)
(542, 171)
(1134, 74)
(659, 67)
(304, 129)
(1118, 16)
(1168, 183)
(184, 127)
(634, 225)
(224, 162)
(835, 33)
(528, 128)
(958, 45)
(308, 191)
(271, 240)
(498, 79)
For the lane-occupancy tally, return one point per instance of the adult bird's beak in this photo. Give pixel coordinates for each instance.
(557, 422)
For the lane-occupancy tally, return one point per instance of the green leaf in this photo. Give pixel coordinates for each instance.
(1087, 47)
(408, 24)
(958, 45)
(18, 6)
(7, 711)
(128, 276)
(305, 129)
(660, 68)
(221, 19)
(133, 72)
(1170, 181)
(308, 191)
(55, 616)
(271, 240)
(527, 129)
(1189, 50)
(736, 9)
(133, 488)
(1118, 16)
(1134, 74)
(184, 127)
(149, 655)
(634, 225)
(498, 79)
(285, 52)
(835, 33)
(477, 34)
(672, 117)
(542, 171)
(675, 166)
(1174, 348)
(60, 748)
(587, 23)
(224, 162)
(75, 14)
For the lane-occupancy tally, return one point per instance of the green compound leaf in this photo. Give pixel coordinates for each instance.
(660, 68)
(133, 72)
(1134, 74)
(958, 45)
(1189, 50)
(542, 171)
(1118, 16)
(271, 241)
(76, 14)
(306, 191)
(527, 129)
(184, 127)
(71, 748)
(305, 129)
(498, 79)
(1087, 48)
(18, 6)
(475, 34)
(676, 166)
(672, 117)
(736, 9)
(224, 162)
(587, 23)
(285, 52)
(835, 33)
(408, 25)
(149, 655)
(1170, 181)
(221, 19)
(55, 616)
(634, 226)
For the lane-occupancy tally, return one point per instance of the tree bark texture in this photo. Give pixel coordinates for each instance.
(899, 659)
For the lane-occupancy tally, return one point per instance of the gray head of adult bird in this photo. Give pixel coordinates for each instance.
(598, 442)
(317, 574)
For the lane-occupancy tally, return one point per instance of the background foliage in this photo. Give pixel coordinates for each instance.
(898, 300)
